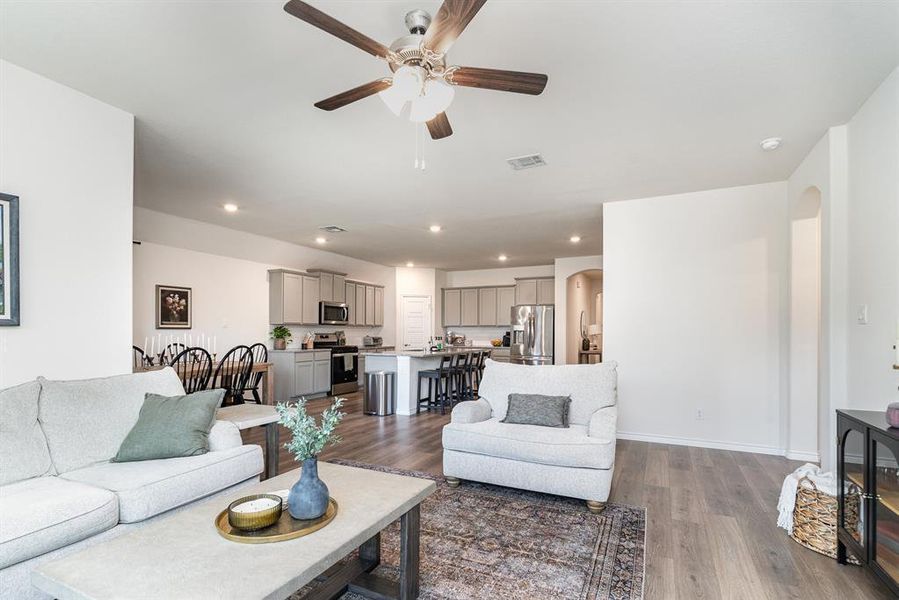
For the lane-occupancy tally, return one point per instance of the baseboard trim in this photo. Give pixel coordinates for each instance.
(811, 457)
(700, 443)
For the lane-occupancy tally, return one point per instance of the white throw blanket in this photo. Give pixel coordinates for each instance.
(824, 481)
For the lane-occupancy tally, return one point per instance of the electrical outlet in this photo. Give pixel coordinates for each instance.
(699, 416)
(862, 316)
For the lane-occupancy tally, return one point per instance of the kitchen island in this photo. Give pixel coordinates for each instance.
(406, 364)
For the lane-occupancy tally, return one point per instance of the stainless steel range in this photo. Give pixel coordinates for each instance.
(344, 361)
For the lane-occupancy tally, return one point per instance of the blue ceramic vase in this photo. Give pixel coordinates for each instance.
(308, 498)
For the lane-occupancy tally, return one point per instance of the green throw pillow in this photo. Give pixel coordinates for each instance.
(168, 427)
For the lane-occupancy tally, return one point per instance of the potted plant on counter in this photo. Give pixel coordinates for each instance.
(308, 498)
(282, 336)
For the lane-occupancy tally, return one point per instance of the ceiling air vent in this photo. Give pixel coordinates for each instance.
(526, 162)
(332, 228)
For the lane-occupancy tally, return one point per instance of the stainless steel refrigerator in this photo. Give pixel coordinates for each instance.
(532, 334)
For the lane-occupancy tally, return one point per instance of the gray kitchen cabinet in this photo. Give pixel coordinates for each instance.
(321, 373)
(369, 306)
(285, 298)
(546, 291)
(526, 291)
(304, 378)
(505, 300)
(469, 307)
(360, 304)
(379, 306)
(501, 355)
(350, 295)
(487, 306)
(452, 308)
(326, 285)
(311, 294)
(339, 288)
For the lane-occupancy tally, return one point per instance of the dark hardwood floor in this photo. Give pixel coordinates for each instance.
(711, 514)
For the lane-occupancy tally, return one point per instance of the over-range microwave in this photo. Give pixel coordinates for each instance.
(333, 313)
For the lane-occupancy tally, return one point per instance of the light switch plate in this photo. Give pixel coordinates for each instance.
(862, 316)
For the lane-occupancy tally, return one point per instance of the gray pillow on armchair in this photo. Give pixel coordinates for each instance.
(535, 409)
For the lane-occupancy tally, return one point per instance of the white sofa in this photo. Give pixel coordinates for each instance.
(59, 492)
(577, 461)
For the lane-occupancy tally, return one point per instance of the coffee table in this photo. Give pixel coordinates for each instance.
(183, 556)
(256, 415)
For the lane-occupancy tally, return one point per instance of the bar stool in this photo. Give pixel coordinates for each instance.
(462, 376)
(471, 371)
(439, 379)
(479, 371)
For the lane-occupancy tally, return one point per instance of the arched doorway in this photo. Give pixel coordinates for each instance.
(583, 304)
(808, 417)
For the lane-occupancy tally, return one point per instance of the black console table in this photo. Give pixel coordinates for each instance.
(867, 467)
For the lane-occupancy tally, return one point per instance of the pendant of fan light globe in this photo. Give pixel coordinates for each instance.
(437, 97)
(408, 83)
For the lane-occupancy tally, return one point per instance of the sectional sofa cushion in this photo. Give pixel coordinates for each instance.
(46, 513)
(23, 447)
(171, 426)
(590, 387)
(150, 487)
(564, 447)
(85, 421)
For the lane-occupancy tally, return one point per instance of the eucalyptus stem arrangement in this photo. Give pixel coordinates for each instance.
(308, 438)
(309, 497)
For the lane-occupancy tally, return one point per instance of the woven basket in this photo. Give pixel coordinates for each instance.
(815, 518)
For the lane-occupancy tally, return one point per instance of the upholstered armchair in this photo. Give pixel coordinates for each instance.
(576, 461)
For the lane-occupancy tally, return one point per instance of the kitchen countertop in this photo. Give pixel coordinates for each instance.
(430, 353)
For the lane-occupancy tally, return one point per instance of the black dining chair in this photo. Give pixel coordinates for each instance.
(462, 377)
(139, 359)
(233, 373)
(254, 383)
(194, 367)
(170, 352)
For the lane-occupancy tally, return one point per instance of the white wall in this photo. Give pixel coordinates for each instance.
(227, 271)
(873, 152)
(695, 315)
(69, 159)
(562, 270)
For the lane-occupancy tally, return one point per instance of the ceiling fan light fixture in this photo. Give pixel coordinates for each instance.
(408, 81)
(394, 100)
(437, 97)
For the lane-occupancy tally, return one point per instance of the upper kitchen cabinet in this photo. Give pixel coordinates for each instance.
(452, 308)
(469, 307)
(359, 319)
(535, 290)
(311, 294)
(350, 295)
(487, 312)
(379, 306)
(332, 285)
(505, 300)
(369, 306)
(292, 298)
(546, 291)
(285, 298)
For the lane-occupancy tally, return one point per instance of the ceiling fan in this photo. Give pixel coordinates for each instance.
(421, 80)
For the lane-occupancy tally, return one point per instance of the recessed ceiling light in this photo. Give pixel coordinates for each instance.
(410, 264)
(502, 257)
(320, 240)
(770, 144)
(435, 228)
(574, 239)
(232, 208)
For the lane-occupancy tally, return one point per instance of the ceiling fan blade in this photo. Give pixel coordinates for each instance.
(357, 93)
(329, 24)
(451, 20)
(497, 79)
(439, 127)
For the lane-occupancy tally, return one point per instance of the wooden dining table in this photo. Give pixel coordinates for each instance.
(267, 368)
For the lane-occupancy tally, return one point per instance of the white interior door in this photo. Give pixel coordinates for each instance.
(416, 322)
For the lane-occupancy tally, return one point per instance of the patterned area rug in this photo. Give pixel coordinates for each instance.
(484, 541)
